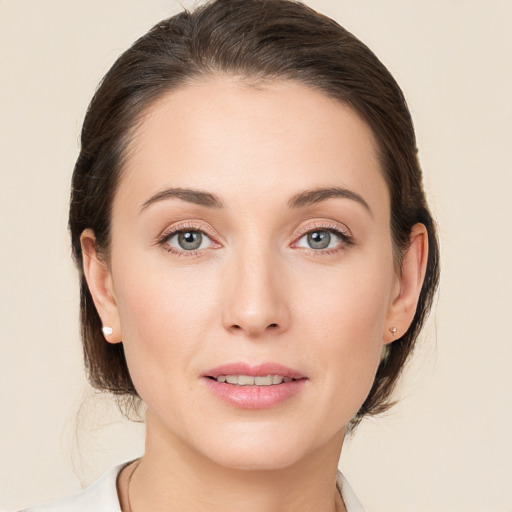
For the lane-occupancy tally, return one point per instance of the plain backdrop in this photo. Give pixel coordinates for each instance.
(447, 447)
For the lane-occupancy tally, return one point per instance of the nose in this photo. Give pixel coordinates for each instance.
(256, 294)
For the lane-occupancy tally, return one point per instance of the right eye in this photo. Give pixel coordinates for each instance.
(187, 240)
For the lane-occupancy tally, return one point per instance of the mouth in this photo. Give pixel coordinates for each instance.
(254, 387)
(243, 374)
(250, 380)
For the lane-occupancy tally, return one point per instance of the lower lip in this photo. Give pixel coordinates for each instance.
(255, 397)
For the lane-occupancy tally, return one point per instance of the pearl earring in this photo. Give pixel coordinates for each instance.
(107, 330)
(393, 330)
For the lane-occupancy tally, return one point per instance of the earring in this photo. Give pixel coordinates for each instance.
(393, 330)
(107, 330)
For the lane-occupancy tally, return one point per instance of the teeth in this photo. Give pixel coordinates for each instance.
(249, 380)
(245, 380)
(263, 381)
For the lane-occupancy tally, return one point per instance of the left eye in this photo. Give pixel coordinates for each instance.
(188, 240)
(320, 239)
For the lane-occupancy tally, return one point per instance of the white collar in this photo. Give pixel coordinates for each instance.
(102, 496)
(352, 504)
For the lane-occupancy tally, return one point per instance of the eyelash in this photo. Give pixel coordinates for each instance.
(346, 239)
(175, 230)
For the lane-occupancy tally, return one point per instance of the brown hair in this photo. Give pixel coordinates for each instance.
(256, 40)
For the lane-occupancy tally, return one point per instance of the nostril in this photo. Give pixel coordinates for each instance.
(253, 330)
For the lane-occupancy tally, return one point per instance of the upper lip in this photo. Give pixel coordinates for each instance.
(259, 370)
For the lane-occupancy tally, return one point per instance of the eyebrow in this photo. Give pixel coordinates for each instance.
(300, 200)
(317, 195)
(185, 194)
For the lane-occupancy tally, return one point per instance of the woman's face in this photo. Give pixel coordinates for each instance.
(250, 237)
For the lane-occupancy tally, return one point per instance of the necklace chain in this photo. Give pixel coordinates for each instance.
(128, 487)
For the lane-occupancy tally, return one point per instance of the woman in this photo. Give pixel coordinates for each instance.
(256, 255)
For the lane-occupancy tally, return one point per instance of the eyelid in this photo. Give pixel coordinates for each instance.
(192, 225)
(340, 230)
(327, 225)
(188, 224)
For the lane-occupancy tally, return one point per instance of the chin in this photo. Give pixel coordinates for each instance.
(263, 451)
(257, 458)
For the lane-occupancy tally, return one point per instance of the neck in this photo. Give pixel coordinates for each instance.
(172, 476)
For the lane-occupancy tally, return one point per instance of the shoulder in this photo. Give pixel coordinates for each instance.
(99, 497)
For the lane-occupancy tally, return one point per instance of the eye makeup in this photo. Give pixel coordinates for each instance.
(321, 233)
(193, 238)
(189, 229)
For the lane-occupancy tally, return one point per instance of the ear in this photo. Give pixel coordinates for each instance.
(99, 280)
(406, 294)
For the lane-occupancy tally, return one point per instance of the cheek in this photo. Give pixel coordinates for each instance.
(350, 303)
(157, 324)
(347, 329)
(344, 321)
(157, 301)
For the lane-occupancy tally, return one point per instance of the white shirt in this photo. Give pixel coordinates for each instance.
(102, 496)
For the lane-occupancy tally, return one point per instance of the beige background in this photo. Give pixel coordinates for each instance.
(448, 445)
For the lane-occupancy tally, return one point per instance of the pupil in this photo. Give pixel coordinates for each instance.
(319, 239)
(189, 240)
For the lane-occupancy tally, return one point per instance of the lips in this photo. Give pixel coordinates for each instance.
(254, 387)
(261, 370)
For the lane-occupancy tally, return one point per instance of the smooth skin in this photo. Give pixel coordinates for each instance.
(258, 288)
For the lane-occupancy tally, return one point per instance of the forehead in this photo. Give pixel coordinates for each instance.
(227, 137)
